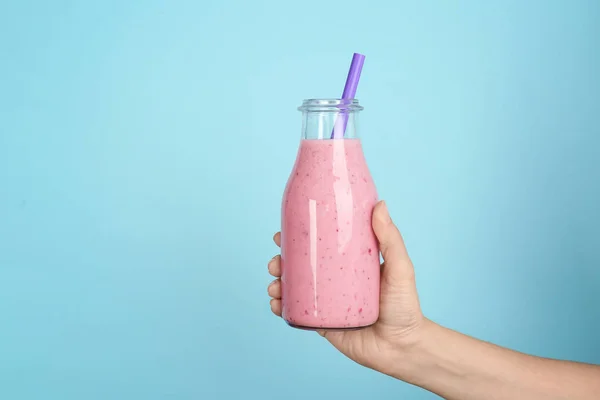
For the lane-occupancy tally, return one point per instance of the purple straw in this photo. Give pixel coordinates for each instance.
(339, 129)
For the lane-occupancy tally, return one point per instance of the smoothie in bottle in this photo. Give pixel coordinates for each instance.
(330, 256)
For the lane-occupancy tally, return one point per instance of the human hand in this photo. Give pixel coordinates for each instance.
(400, 318)
(406, 345)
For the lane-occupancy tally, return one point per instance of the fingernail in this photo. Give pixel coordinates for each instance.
(385, 214)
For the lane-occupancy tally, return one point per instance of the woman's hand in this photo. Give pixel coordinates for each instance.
(407, 346)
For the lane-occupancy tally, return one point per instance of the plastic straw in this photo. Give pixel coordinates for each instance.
(339, 129)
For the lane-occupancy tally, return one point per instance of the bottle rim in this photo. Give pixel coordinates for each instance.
(330, 105)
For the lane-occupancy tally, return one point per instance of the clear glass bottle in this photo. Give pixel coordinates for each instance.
(330, 256)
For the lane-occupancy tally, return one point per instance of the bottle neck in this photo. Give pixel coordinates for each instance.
(326, 119)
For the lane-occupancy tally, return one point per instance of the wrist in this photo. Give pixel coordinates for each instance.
(408, 355)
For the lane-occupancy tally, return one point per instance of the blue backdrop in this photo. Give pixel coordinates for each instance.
(145, 145)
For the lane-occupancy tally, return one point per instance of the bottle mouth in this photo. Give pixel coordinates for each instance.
(330, 105)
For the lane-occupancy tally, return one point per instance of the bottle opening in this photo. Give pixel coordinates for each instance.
(321, 118)
(330, 105)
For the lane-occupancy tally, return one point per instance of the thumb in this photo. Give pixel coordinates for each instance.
(397, 264)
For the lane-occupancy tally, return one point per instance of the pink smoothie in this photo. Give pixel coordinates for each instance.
(330, 257)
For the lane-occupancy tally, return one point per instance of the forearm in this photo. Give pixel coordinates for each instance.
(456, 366)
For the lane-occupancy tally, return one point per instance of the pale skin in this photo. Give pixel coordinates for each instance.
(406, 345)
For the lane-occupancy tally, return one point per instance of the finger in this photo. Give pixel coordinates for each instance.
(391, 244)
(277, 239)
(276, 307)
(274, 289)
(274, 266)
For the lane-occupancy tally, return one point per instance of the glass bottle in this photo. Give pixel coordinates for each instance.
(330, 256)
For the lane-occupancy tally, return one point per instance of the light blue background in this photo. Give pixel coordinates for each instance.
(144, 147)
